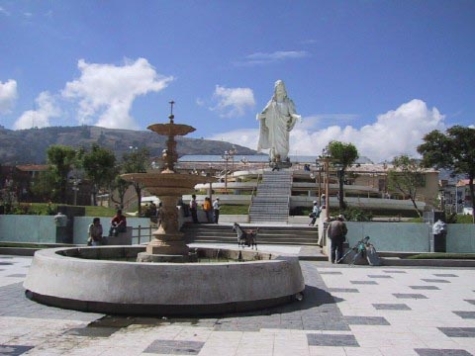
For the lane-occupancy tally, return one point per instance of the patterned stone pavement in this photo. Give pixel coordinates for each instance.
(357, 310)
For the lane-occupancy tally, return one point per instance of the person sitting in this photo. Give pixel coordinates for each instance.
(118, 224)
(95, 233)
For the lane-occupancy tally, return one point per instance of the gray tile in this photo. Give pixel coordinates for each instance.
(364, 282)
(458, 332)
(409, 296)
(384, 306)
(465, 314)
(330, 272)
(366, 320)
(394, 271)
(17, 275)
(174, 347)
(432, 280)
(379, 276)
(343, 290)
(445, 275)
(442, 352)
(425, 287)
(92, 331)
(14, 350)
(471, 301)
(331, 340)
(5, 263)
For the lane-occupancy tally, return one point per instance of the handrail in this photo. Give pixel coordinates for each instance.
(147, 237)
(254, 190)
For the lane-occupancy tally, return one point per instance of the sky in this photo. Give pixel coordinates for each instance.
(378, 74)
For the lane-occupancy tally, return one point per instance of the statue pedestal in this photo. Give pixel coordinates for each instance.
(279, 165)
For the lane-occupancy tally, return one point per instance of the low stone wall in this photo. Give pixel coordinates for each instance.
(386, 236)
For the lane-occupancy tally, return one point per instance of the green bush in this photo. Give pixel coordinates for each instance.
(357, 214)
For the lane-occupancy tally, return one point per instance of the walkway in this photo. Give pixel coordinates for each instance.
(359, 310)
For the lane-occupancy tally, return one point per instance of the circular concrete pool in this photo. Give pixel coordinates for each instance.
(99, 279)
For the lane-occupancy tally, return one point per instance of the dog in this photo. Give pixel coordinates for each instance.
(245, 237)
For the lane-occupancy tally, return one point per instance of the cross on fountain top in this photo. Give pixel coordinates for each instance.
(171, 117)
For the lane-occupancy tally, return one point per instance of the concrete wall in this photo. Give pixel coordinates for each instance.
(400, 237)
(407, 237)
(42, 229)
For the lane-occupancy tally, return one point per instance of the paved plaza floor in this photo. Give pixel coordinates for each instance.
(346, 310)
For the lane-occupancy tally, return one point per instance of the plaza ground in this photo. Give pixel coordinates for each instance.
(346, 310)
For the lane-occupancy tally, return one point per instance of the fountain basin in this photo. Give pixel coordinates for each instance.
(88, 279)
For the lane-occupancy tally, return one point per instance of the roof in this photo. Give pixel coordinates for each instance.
(33, 167)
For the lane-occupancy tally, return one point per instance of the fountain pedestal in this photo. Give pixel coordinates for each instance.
(168, 244)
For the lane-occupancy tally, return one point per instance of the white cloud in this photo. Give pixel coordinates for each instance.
(106, 92)
(261, 58)
(393, 133)
(46, 109)
(8, 96)
(244, 137)
(4, 11)
(233, 102)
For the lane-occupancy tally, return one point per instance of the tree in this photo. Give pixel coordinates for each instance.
(120, 185)
(98, 165)
(406, 176)
(454, 151)
(62, 160)
(344, 155)
(136, 161)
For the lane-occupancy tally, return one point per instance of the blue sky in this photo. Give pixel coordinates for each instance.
(379, 74)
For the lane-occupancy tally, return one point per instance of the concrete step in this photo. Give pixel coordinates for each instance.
(279, 235)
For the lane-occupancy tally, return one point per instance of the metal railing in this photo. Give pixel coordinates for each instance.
(142, 235)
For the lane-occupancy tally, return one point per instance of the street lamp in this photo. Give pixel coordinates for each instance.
(75, 189)
(325, 159)
(318, 179)
(228, 155)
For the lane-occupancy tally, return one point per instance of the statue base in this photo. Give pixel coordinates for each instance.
(280, 165)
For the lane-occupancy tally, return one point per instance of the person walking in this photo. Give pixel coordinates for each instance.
(336, 232)
(216, 210)
(315, 213)
(194, 209)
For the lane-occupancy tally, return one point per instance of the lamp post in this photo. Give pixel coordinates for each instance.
(228, 155)
(319, 180)
(75, 189)
(325, 158)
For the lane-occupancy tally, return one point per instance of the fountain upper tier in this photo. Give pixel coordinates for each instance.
(171, 129)
(167, 182)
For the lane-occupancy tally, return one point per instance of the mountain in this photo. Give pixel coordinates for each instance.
(29, 146)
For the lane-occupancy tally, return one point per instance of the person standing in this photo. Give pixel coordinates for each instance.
(336, 232)
(95, 233)
(216, 210)
(208, 209)
(194, 209)
(159, 214)
(118, 224)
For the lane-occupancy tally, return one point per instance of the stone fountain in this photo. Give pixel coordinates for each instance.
(160, 278)
(168, 244)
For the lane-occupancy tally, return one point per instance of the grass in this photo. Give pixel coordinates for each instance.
(443, 256)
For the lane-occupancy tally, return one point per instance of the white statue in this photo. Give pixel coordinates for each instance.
(275, 123)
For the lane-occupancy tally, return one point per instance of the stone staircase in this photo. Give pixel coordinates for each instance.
(267, 235)
(271, 202)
